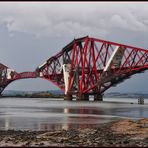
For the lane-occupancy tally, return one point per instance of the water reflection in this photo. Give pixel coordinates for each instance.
(84, 120)
(76, 118)
(49, 127)
(6, 123)
(70, 118)
(40, 114)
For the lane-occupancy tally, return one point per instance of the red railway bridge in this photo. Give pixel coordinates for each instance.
(86, 66)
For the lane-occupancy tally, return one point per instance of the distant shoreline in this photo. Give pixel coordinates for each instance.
(39, 95)
(59, 94)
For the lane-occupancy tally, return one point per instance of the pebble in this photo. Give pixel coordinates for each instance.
(102, 136)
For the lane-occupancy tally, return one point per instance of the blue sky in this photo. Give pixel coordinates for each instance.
(31, 32)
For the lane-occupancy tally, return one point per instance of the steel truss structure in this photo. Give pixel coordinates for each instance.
(8, 75)
(89, 66)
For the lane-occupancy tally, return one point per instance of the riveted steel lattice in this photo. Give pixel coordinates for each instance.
(94, 66)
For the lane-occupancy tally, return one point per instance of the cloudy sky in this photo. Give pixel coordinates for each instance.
(31, 32)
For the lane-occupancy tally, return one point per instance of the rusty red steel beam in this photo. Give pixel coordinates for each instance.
(94, 66)
(8, 75)
(89, 56)
(24, 75)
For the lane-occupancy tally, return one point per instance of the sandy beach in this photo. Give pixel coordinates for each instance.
(123, 132)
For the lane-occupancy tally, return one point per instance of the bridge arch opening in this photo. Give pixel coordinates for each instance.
(30, 85)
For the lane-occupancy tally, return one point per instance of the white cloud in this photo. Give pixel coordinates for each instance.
(73, 19)
(118, 21)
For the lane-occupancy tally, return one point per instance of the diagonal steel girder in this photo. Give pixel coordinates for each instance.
(85, 66)
(90, 65)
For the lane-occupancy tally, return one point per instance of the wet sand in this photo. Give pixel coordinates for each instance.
(123, 132)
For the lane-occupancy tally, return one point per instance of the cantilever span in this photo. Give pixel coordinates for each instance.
(88, 66)
(91, 66)
(8, 75)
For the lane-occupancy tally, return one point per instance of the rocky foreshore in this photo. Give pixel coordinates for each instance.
(121, 133)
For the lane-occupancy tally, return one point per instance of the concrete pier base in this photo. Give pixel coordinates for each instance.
(83, 97)
(98, 97)
(68, 97)
(141, 100)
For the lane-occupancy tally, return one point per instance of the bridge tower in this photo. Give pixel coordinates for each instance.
(90, 66)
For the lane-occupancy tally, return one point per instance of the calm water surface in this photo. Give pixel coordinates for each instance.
(51, 114)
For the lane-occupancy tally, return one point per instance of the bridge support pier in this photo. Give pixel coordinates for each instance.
(83, 97)
(98, 97)
(68, 97)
